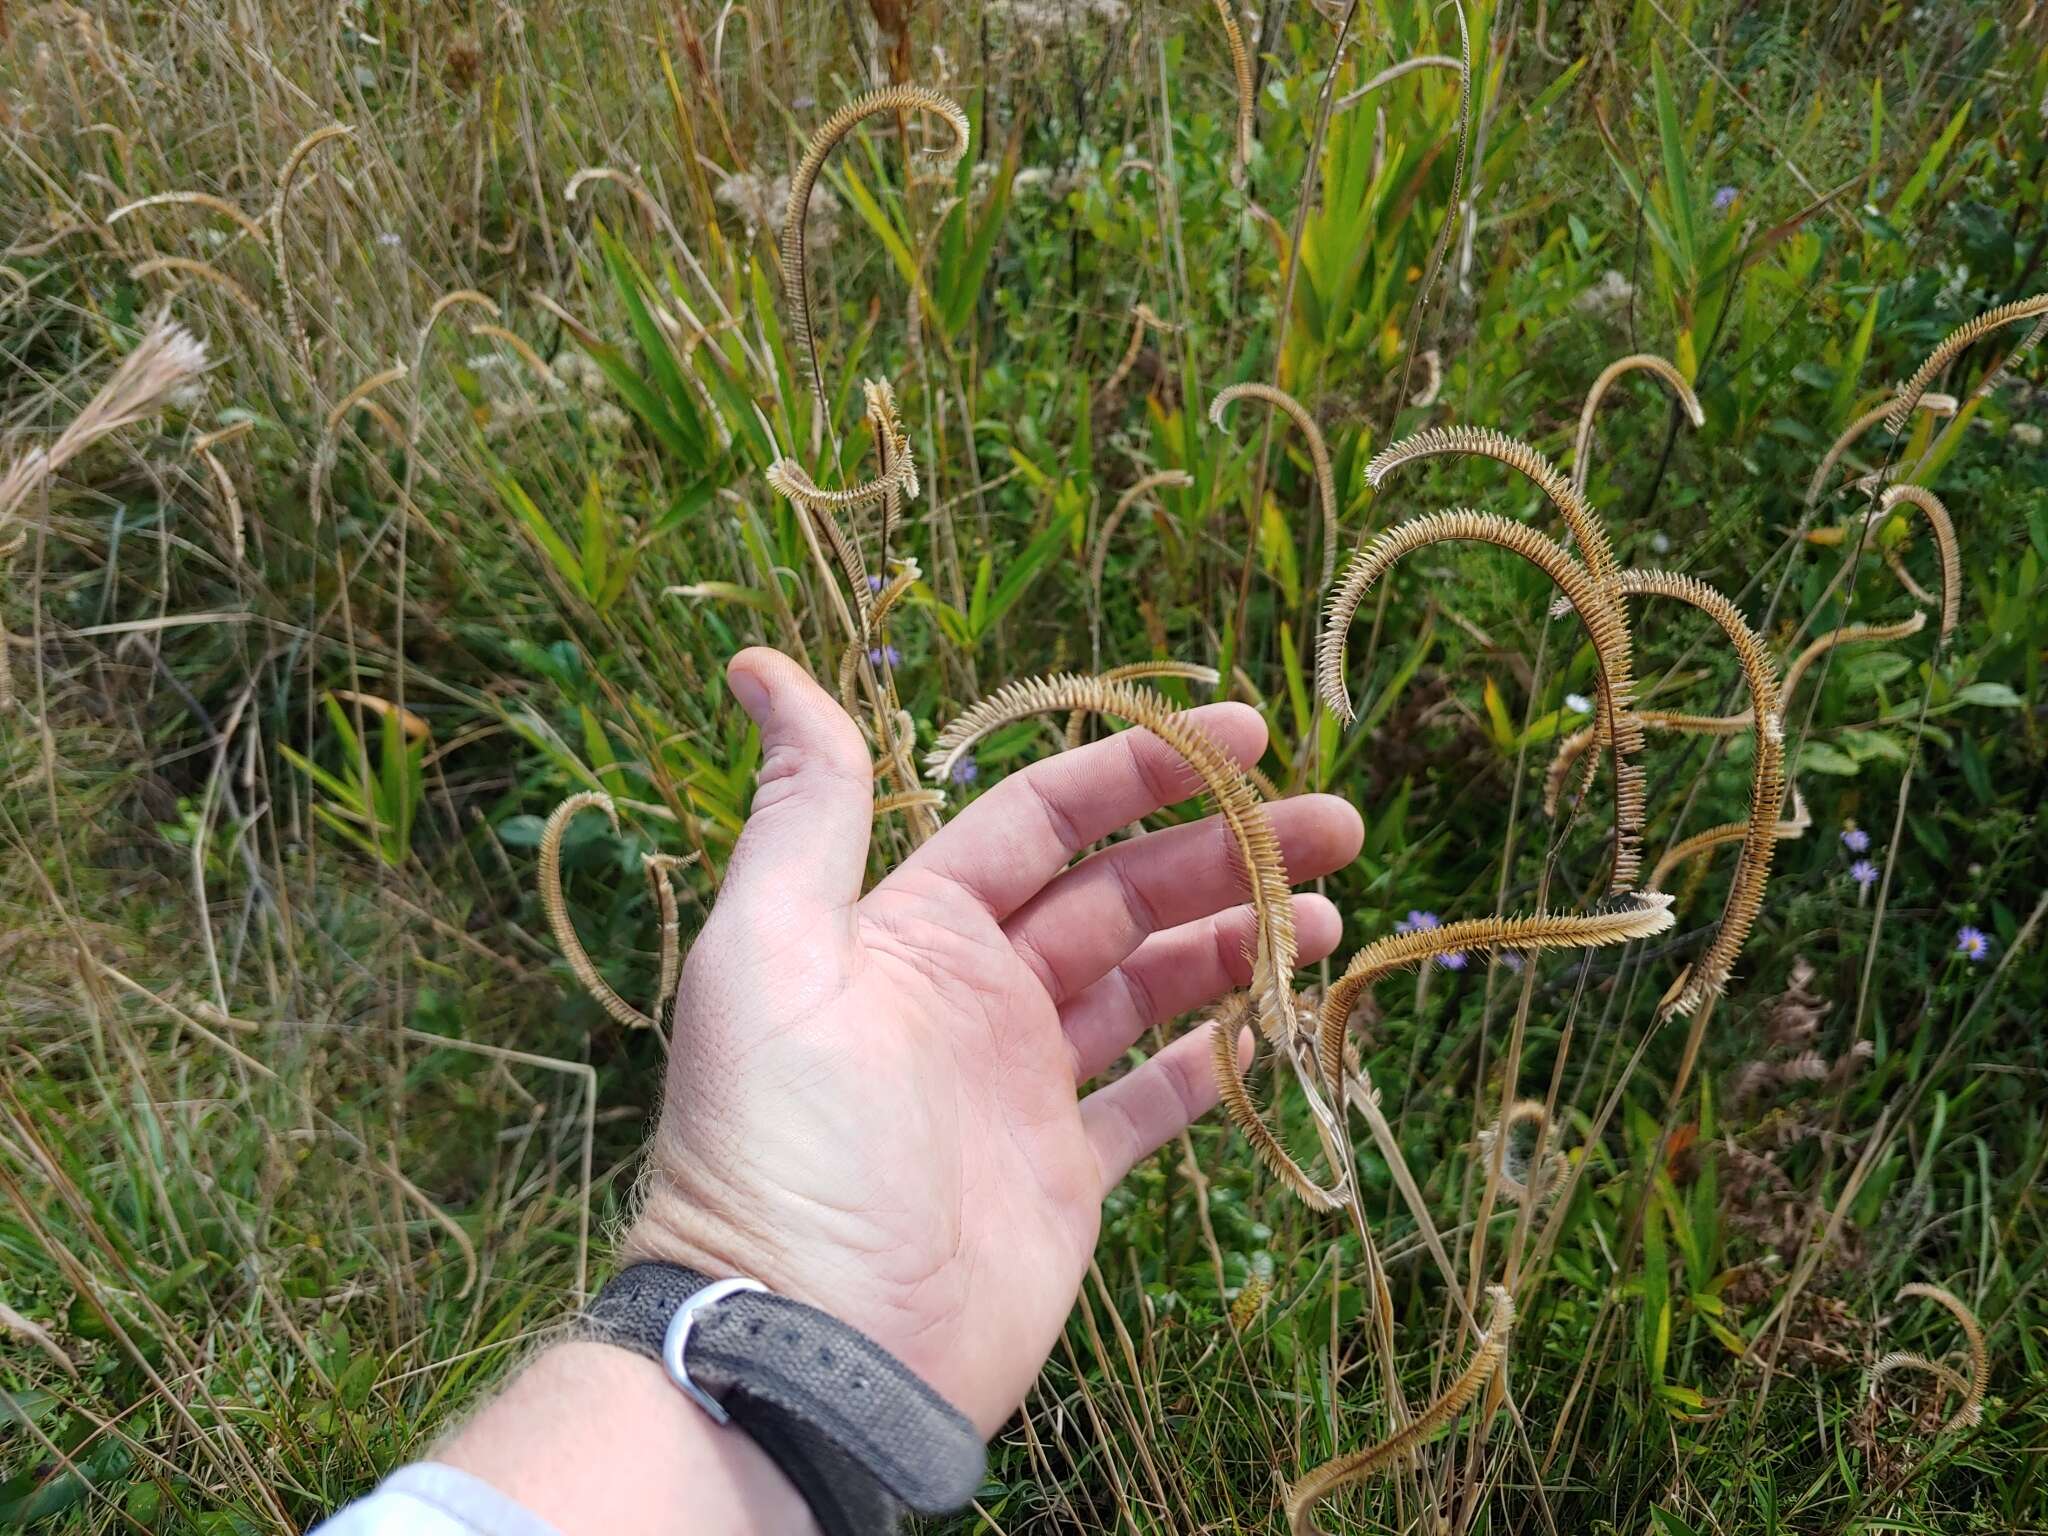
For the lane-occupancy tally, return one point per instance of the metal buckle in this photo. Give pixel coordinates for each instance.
(675, 1343)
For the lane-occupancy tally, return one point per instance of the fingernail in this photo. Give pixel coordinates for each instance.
(750, 691)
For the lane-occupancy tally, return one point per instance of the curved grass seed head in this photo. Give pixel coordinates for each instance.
(795, 274)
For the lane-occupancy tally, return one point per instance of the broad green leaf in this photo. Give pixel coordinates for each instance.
(1989, 696)
(1819, 757)
(566, 563)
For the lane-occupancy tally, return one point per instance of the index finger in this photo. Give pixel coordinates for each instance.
(1015, 838)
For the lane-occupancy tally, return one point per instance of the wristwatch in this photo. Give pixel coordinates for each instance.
(858, 1432)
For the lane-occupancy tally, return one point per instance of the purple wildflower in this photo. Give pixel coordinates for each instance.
(883, 653)
(1724, 199)
(1855, 839)
(1864, 873)
(966, 771)
(1419, 921)
(1972, 943)
(874, 583)
(1512, 959)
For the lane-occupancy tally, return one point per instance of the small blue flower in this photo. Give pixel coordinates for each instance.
(1419, 921)
(1578, 704)
(1856, 840)
(883, 653)
(1972, 943)
(874, 583)
(1864, 873)
(966, 771)
(1512, 959)
(1724, 199)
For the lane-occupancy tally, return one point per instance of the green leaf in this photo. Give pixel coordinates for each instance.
(1497, 718)
(596, 540)
(675, 397)
(1677, 169)
(964, 280)
(599, 748)
(565, 561)
(1852, 365)
(346, 793)
(1916, 185)
(1989, 696)
(1819, 757)
(882, 227)
(1021, 572)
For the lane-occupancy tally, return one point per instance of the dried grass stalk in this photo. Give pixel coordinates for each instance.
(167, 357)
(1979, 1383)
(1243, 813)
(1789, 830)
(1454, 208)
(1241, 68)
(1955, 343)
(1133, 671)
(186, 266)
(1274, 947)
(911, 799)
(1934, 405)
(907, 575)
(795, 274)
(1598, 611)
(295, 333)
(1484, 442)
(206, 200)
(896, 483)
(1097, 558)
(1142, 320)
(1635, 916)
(661, 869)
(1643, 362)
(556, 906)
(1394, 72)
(1709, 975)
(1318, 452)
(1532, 1175)
(1574, 746)
(1945, 542)
(1343, 1471)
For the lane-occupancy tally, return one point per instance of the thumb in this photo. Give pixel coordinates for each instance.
(807, 834)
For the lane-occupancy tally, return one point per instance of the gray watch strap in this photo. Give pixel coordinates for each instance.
(856, 1430)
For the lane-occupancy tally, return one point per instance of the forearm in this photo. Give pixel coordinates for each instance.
(594, 1439)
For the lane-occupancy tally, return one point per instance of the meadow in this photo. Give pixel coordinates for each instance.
(409, 408)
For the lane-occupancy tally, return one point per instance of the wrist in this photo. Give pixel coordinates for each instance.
(910, 1316)
(593, 1439)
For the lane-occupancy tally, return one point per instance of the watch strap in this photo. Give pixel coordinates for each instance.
(856, 1430)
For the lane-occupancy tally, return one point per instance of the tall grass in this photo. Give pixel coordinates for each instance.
(325, 1055)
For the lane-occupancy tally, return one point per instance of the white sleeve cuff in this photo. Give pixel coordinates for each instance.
(428, 1499)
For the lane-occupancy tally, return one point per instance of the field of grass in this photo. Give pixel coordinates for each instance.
(308, 1128)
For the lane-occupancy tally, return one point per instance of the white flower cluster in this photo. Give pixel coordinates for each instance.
(1056, 17)
(761, 200)
(1610, 293)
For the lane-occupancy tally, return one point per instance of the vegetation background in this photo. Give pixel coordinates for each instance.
(305, 1129)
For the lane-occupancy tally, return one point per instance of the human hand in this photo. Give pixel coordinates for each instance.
(874, 1103)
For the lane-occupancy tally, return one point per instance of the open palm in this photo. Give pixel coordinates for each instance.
(875, 1104)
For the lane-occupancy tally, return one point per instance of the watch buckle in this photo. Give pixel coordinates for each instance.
(675, 1343)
